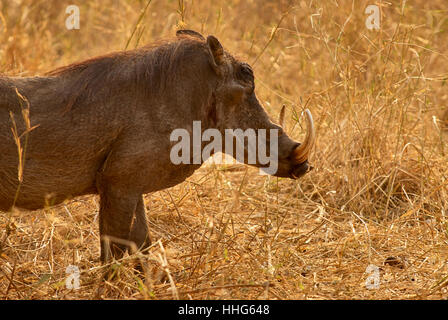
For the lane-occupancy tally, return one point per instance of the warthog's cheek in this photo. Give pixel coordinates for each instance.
(299, 170)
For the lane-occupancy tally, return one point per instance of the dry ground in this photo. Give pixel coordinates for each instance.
(377, 196)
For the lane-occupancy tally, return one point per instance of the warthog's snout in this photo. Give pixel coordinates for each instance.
(302, 152)
(295, 164)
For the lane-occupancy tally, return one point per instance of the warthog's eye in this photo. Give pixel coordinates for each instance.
(246, 72)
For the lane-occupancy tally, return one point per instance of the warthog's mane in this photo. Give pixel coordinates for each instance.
(150, 70)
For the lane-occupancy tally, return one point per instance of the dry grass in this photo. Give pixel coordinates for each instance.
(378, 194)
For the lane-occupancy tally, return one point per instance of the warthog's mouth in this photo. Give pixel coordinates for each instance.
(295, 165)
(300, 170)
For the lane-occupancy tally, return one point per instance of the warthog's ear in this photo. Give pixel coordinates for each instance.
(180, 33)
(216, 52)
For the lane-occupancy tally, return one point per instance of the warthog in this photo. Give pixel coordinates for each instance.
(102, 126)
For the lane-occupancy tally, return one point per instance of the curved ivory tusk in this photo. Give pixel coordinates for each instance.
(281, 117)
(302, 152)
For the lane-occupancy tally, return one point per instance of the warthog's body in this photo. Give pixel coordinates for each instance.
(103, 126)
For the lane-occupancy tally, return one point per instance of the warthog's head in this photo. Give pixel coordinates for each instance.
(235, 106)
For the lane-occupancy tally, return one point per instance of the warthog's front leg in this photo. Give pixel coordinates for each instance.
(123, 223)
(139, 232)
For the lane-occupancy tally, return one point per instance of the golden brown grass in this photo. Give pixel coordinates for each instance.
(378, 194)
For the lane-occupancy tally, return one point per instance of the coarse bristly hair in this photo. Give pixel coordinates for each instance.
(150, 70)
